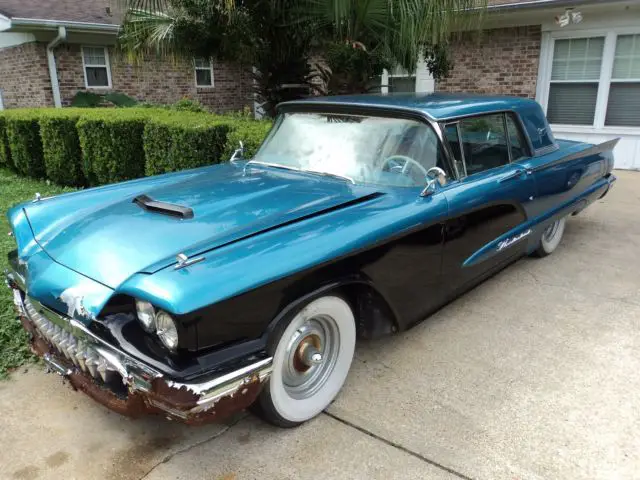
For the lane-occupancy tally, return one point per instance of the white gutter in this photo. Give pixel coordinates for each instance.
(51, 60)
(544, 4)
(56, 24)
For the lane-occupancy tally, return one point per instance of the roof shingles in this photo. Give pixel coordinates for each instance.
(88, 11)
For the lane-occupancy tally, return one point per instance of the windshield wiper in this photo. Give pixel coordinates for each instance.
(297, 169)
(267, 164)
(328, 174)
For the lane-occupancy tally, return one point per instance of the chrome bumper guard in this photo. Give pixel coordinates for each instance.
(77, 349)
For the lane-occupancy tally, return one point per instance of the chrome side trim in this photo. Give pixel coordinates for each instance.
(210, 392)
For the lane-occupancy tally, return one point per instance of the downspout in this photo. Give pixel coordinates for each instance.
(51, 60)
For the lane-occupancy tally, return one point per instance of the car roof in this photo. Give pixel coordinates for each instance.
(438, 106)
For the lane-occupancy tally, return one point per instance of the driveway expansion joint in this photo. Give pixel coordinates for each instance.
(167, 458)
(397, 446)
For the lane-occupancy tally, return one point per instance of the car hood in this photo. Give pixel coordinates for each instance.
(111, 237)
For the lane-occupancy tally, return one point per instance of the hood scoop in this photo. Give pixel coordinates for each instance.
(164, 208)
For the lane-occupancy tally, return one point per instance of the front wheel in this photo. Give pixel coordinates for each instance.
(551, 238)
(312, 355)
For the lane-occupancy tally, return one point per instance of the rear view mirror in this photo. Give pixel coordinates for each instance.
(238, 154)
(436, 178)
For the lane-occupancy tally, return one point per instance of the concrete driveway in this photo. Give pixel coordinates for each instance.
(534, 374)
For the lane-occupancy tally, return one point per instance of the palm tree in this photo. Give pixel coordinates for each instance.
(356, 38)
(256, 33)
(365, 36)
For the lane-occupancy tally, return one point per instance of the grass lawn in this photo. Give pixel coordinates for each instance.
(13, 340)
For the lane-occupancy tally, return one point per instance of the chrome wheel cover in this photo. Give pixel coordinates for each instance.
(311, 355)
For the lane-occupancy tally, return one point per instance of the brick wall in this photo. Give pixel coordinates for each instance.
(158, 81)
(24, 76)
(500, 61)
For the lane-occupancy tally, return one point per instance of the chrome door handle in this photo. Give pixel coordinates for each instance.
(513, 175)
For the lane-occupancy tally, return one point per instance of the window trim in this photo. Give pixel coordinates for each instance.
(456, 121)
(107, 66)
(195, 73)
(517, 121)
(604, 81)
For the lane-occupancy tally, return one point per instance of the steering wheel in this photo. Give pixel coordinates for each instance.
(407, 161)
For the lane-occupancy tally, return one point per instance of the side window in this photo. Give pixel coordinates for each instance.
(484, 142)
(516, 140)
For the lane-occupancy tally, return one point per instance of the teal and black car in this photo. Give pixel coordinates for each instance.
(199, 293)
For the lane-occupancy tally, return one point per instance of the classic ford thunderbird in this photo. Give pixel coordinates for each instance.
(200, 293)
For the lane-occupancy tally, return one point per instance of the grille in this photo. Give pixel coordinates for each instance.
(79, 352)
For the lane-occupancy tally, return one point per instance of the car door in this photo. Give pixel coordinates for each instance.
(486, 226)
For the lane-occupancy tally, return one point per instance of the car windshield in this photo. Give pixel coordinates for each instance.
(366, 149)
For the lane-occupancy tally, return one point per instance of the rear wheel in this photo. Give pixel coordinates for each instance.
(551, 238)
(312, 355)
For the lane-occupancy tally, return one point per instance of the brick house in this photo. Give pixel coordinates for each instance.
(583, 68)
(581, 65)
(51, 49)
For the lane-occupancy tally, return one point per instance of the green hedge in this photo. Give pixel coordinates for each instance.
(112, 149)
(23, 135)
(80, 147)
(61, 149)
(5, 151)
(182, 141)
(251, 133)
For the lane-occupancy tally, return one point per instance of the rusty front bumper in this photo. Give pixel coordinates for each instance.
(94, 366)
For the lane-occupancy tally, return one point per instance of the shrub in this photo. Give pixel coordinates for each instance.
(180, 141)
(251, 133)
(111, 142)
(83, 99)
(188, 105)
(120, 99)
(61, 149)
(79, 146)
(5, 152)
(23, 135)
(87, 100)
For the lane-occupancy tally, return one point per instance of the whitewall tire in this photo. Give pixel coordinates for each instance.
(551, 238)
(312, 354)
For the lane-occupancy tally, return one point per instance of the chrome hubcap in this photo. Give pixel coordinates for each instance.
(311, 355)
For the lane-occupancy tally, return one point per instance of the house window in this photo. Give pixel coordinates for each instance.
(402, 84)
(204, 72)
(95, 61)
(575, 75)
(623, 107)
(594, 80)
(397, 81)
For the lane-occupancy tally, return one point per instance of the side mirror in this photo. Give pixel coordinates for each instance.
(238, 154)
(436, 178)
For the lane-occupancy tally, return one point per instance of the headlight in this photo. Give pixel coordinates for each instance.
(146, 315)
(166, 330)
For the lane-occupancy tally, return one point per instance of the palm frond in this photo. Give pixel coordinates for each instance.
(145, 32)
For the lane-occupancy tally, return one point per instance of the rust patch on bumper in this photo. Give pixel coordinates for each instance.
(161, 399)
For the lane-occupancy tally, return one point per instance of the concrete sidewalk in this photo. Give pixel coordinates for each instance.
(534, 374)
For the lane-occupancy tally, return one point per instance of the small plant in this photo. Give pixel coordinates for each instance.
(188, 105)
(438, 61)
